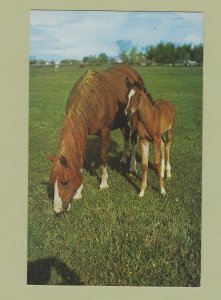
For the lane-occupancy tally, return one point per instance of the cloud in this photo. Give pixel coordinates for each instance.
(74, 34)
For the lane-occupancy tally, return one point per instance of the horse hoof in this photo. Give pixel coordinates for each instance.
(141, 194)
(163, 192)
(168, 175)
(69, 207)
(132, 173)
(77, 197)
(103, 186)
(57, 211)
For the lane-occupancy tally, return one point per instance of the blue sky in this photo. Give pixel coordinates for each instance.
(74, 34)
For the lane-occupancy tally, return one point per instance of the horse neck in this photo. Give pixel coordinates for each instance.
(73, 141)
(146, 110)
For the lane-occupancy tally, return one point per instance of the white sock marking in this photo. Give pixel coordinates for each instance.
(141, 193)
(104, 178)
(163, 192)
(162, 167)
(168, 169)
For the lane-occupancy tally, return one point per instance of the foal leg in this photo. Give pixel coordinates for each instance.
(168, 166)
(144, 145)
(168, 150)
(162, 158)
(157, 146)
(126, 133)
(105, 140)
(133, 163)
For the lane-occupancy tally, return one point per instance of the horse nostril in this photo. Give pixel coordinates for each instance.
(65, 206)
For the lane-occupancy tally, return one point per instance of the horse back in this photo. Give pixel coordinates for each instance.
(166, 111)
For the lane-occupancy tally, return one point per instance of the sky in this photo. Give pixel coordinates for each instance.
(57, 35)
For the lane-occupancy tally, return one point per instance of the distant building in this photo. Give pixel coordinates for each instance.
(191, 63)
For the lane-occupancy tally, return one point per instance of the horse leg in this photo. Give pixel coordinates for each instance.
(144, 145)
(133, 163)
(168, 166)
(126, 133)
(162, 158)
(105, 140)
(157, 146)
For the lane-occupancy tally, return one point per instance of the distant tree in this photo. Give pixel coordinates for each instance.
(184, 52)
(33, 62)
(102, 58)
(197, 53)
(133, 56)
(124, 57)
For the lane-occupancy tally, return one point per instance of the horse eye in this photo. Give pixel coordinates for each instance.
(64, 182)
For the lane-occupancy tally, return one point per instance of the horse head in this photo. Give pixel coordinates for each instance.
(66, 180)
(134, 96)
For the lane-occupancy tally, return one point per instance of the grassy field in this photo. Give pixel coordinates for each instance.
(112, 237)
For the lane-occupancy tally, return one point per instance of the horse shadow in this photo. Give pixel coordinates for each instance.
(39, 272)
(92, 163)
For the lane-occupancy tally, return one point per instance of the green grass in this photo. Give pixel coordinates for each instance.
(113, 237)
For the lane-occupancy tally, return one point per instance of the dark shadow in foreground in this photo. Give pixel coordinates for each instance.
(40, 271)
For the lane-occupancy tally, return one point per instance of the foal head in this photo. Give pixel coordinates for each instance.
(66, 180)
(134, 96)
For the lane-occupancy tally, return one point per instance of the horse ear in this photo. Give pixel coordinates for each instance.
(50, 157)
(128, 83)
(63, 161)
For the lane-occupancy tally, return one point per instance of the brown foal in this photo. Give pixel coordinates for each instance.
(154, 122)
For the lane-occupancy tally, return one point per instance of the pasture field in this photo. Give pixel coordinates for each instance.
(112, 237)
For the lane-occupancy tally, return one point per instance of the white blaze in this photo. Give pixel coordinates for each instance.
(132, 92)
(57, 199)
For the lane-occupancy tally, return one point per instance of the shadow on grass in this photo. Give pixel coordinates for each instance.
(40, 272)
(92, 161)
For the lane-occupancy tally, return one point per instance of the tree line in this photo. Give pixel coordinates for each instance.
(162, 53)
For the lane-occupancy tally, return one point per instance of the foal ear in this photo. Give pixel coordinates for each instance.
(128, 83)
(63, 161)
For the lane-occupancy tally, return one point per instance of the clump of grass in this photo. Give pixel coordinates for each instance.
(113, 237)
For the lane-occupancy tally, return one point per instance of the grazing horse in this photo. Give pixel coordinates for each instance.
(95, 105)
(154, 122)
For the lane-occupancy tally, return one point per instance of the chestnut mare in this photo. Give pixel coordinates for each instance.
(154, 122)
(95, 105)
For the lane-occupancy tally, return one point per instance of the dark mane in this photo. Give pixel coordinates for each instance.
(140, 85)
(148, 93)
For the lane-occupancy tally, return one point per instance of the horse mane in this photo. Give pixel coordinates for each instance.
(140, 84)
(84, 102)
(146, 91)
